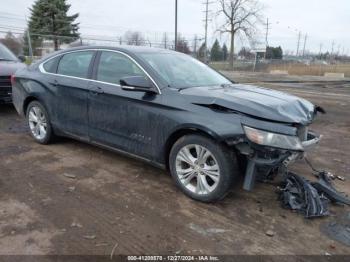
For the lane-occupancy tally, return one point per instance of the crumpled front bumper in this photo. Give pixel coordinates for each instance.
(312, 141)
(270, 159)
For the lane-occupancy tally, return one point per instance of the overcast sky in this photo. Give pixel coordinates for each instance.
(323, 21)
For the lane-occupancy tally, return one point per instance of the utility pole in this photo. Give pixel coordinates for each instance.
(206, 28)
(333, 43)
(321, 46)
(175, 25)
(165, 40)
(304, 45)
(267, 36)
(298, 47)
(30, 45)
(267, 32)
(30, 48)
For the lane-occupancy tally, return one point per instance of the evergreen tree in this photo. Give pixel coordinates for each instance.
(50, 18)
(225, 52)
(274, 52)
(216, 53)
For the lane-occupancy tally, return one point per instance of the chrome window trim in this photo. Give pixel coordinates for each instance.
(42, 69)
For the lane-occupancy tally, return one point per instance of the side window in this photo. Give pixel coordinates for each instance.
(114, 66)
(75, 64)
(51, 65)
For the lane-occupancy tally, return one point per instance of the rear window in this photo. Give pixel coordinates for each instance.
(75, 64)
(51, 65)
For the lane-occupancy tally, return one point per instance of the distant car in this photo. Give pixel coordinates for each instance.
(9, 64)
(168, 109)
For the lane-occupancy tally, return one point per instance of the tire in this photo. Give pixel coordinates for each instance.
(39, 123)
(199, 184)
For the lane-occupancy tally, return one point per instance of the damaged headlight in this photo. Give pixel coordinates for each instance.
(265, 138)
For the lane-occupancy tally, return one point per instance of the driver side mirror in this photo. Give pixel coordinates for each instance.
(137, 84)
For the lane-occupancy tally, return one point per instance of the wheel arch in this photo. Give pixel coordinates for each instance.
(28, 100)
(183, 131)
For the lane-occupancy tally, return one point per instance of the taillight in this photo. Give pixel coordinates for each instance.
(13, 80)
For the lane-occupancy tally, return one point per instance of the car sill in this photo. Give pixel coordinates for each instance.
(116, 150)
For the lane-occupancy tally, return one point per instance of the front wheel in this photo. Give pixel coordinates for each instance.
(39, 123)
(203, 169)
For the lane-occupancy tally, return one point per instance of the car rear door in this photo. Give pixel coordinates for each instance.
(121, 119)
(72, 88)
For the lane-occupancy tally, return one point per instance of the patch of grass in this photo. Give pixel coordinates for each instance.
(292, 68)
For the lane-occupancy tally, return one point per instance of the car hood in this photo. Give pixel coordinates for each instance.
(254, 101)
(8, 68)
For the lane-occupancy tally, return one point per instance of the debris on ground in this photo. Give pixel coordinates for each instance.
(102, 245)
(71, 188)
(341, 178)
(92, 237)
(298, 194)
(326, 187)
(70, 176)
(270, 233)
(113, 250)
(75, 224)
(310, 199)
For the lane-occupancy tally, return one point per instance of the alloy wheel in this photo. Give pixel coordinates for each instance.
(37, 123)
(197, 169)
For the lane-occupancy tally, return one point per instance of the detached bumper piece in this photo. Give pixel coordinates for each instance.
(310, 199)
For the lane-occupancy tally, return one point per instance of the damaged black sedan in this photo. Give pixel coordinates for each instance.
(168, 109)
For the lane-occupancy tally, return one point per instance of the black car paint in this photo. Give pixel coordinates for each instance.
(146, 124)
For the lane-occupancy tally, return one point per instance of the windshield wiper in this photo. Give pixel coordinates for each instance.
(226, 85)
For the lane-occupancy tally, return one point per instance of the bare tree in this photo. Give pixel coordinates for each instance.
(134, 38)
(182, 45)
(13, 43)
(240, 16)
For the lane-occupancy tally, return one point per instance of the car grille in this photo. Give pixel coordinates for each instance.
(303, 133)
(5, 86)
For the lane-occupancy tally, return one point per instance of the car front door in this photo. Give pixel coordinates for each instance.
(121, 119)
(72, 88)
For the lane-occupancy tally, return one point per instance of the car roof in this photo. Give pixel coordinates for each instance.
(126, 49)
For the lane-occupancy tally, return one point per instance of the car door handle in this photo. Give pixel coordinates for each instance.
(96, 90)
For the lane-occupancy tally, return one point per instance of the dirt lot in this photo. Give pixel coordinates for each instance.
(72, 198)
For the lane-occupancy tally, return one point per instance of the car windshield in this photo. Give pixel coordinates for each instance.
(6, 54)
(182, 71)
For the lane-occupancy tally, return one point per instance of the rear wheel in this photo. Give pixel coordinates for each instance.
(203, 169)
(39, 123)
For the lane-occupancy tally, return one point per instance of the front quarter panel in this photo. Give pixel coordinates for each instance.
(179, 114)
